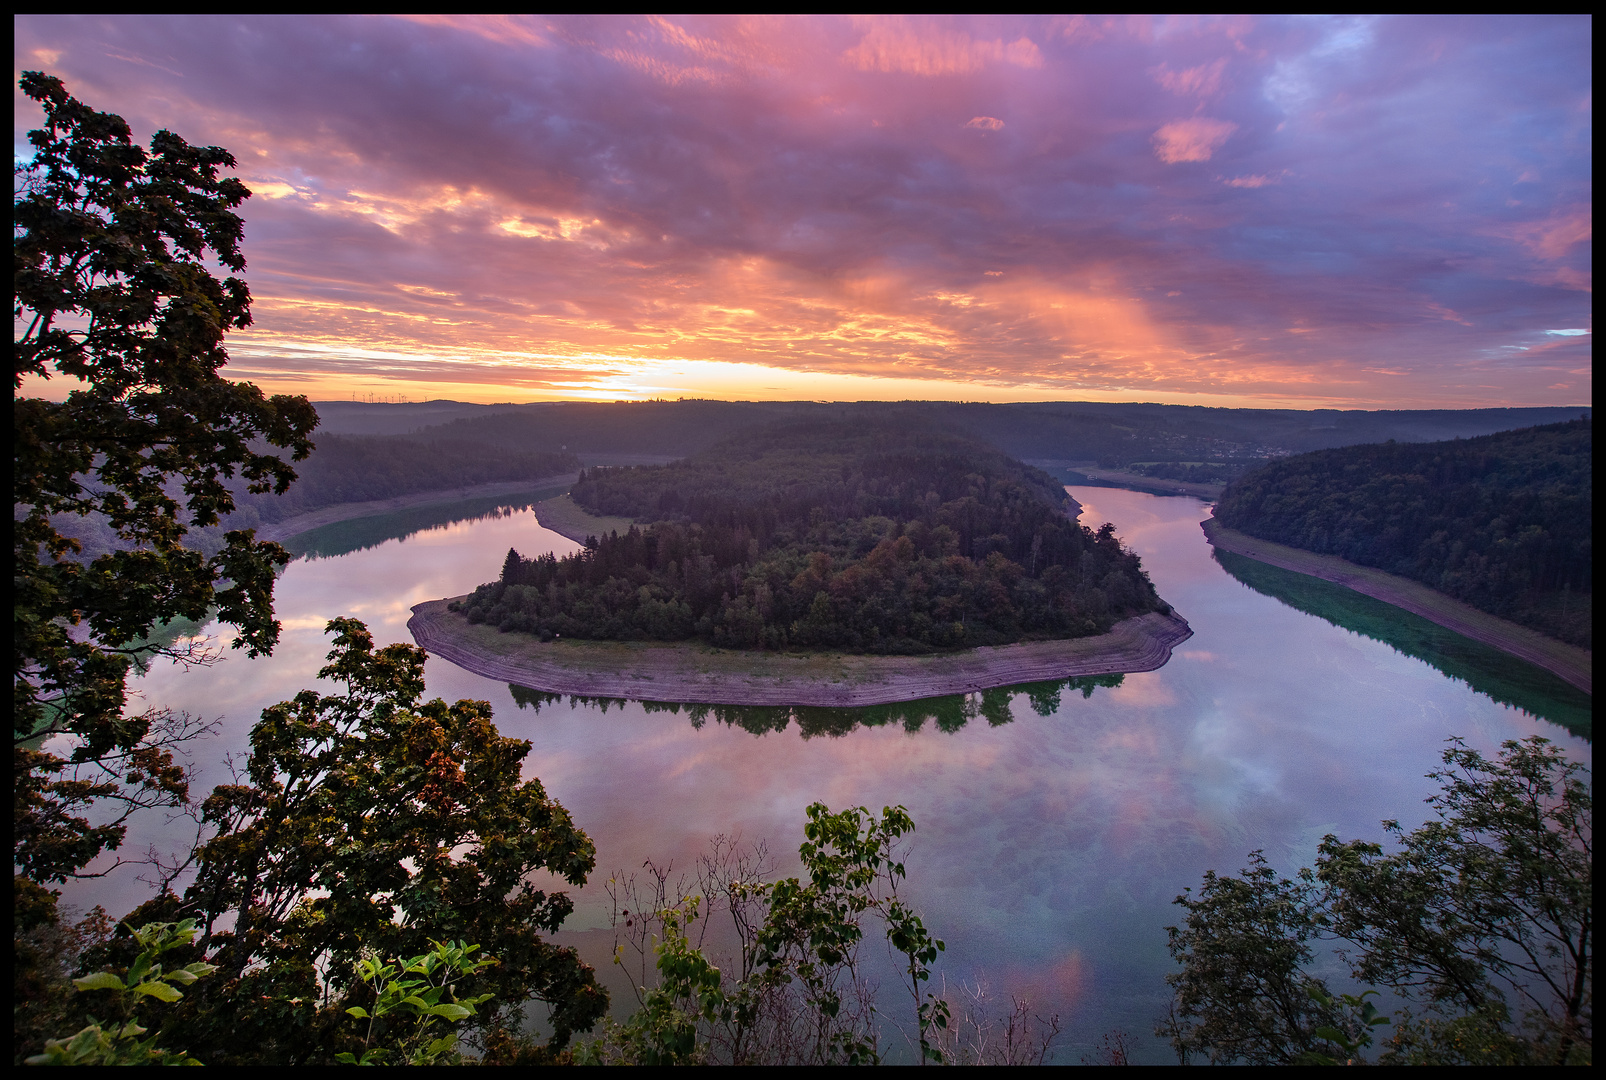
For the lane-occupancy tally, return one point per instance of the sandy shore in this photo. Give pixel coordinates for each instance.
(702, 674)
(1569, 662)
(281, 531)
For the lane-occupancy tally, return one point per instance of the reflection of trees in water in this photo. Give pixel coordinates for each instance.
(1501, 676)
(359, 534)
(949, 713)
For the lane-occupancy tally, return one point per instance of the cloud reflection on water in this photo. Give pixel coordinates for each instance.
(1048, 848)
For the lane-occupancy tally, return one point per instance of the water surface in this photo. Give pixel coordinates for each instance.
(1055, 823)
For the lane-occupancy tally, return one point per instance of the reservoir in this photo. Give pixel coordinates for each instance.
(1055, 825)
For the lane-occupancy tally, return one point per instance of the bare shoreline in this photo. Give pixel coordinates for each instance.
(1568, 662)
(280, 531)
(701, 674)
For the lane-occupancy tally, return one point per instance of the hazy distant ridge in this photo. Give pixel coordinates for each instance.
(1115, 434)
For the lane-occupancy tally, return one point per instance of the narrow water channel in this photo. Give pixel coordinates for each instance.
(1055, 825)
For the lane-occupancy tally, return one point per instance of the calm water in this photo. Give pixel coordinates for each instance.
(1048, 848)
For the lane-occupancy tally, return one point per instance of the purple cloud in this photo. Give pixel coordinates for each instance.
(1370, 211)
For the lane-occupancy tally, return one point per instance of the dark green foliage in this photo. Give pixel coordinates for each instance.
(147, 977)
(1503, 522)
(1488, 910)
(1242, 994)
(370, 823)
(111, 248)
(894, 539)
(799, 997)
(1483, 918)
(1193, 472)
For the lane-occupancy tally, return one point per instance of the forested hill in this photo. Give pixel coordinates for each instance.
(879, 537)
(1112, 432)
(1503, 522)
(347, 469)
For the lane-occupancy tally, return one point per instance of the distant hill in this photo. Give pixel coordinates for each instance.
(346, 469)
(1503, 522)
(1114, 435)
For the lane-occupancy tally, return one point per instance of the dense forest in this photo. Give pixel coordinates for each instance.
(353, 469)
(883, 537)
(1502, 522)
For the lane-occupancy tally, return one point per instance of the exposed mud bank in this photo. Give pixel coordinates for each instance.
(1569, 662)
(702, 674)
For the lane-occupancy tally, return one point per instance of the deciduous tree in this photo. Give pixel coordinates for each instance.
(1482, 918)
(112, 248)
(373, 823)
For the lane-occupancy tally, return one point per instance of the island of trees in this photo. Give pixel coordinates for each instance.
(1502, 522)
(879, 538)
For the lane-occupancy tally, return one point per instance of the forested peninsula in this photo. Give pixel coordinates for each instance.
(1503, 522)
(889, 538)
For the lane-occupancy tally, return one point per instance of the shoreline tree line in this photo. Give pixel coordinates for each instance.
(1504, 522)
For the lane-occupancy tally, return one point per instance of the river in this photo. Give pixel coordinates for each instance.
(1048, 847)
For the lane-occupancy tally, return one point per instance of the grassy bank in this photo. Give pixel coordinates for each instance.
(562, 516)
(1569, 662)
(328, 515)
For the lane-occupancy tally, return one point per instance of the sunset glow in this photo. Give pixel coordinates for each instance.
(1374, 213)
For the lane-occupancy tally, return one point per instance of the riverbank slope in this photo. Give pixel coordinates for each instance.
(1568, 662)
(281, 531)
(651, 671)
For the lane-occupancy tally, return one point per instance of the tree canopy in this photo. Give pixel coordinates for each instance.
(891, 538)
(113, 292)
(1482, 919)
(1503, 522)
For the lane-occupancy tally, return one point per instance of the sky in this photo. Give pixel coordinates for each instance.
(1305, 212)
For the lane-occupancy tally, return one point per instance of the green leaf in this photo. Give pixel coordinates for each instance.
(360, 1013)
(100, 980)
(451, 1012)
(158, 990)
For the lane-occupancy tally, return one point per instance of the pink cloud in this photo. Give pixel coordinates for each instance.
(897, 46)
(735, 192)
(1194, 139)
(1555, 236)
(1202, 81)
